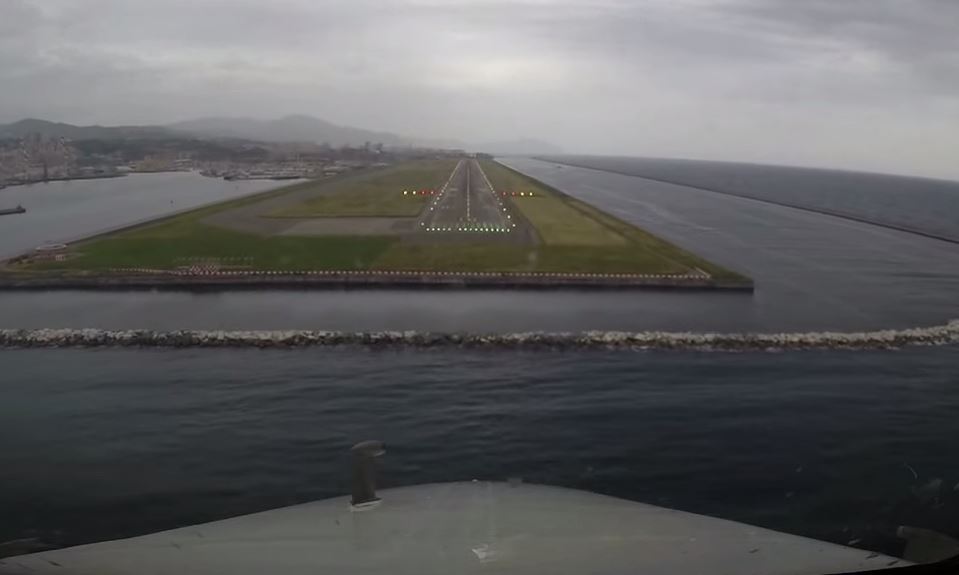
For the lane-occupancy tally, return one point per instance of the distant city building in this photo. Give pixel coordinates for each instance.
(36, 158)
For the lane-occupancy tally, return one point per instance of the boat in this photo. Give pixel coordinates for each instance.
(11, 211)
(464, 527)
(261, 176)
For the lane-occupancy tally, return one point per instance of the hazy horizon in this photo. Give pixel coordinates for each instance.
(855, 85)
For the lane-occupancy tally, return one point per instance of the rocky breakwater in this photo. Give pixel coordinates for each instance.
(886, 339)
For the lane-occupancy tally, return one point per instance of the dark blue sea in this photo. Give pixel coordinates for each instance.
(841, 446)
(928, 205)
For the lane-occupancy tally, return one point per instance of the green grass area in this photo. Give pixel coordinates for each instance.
(454, 257)
(167, 250)
(379, 194)
(511, 258)
(560, 224)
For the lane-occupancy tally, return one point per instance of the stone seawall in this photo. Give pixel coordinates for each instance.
(85, 338)
(227, 281)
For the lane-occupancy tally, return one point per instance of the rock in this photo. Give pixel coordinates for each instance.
(886, 339)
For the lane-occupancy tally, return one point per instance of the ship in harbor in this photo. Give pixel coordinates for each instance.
(12, 211)
(239, 175)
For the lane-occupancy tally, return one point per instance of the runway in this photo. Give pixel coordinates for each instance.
(467, 204)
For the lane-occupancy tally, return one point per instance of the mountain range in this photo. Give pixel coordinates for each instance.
(60, 130)
(296, 128)
(287, 129)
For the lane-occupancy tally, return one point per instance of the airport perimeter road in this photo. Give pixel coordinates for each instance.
(466, 204)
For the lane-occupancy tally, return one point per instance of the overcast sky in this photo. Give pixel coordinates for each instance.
(870, 84)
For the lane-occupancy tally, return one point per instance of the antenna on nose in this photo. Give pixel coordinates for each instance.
(364, 472)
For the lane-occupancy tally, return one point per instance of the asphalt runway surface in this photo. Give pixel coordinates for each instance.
(468, 204)
(812, 271)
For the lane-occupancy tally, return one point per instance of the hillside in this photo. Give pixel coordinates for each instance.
(287, 129)
(61, 130)
(297, 128)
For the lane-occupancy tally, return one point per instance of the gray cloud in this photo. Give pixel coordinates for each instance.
(916, 39)
(851, 83)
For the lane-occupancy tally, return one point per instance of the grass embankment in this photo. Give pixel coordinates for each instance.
(378, 195)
